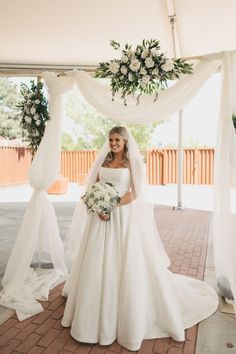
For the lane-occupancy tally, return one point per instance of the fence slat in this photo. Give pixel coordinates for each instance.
(161, 165)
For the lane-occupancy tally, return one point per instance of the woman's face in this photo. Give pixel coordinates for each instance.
(116, 143)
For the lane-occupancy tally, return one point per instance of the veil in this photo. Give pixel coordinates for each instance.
(80, 216)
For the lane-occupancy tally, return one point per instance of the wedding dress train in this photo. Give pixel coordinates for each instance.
(120, 287)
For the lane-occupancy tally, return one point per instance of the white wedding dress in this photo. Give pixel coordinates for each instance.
(120, 287)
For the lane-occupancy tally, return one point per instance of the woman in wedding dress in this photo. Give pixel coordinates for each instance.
(120, 287)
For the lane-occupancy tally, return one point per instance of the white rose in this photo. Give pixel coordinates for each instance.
(143, 71)
(168, 66)
(36, 134)
(32, 110)
(130, 53)
(124, 58)
(155, 72)
(114, 67)
(28, 120)
(96, 208)
(145, 79)
(38, 122)
(149, 62)
(107, 198)
(135, 65)
(26, 109)
(145, 53)
(130, 77)
(124, 70)
(36, 116)
(37, 101)
(154, 52)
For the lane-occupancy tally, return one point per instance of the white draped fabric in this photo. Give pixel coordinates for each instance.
(224, 216)
(38, 238)
(39, 228)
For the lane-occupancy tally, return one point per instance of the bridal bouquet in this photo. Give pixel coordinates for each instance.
(101, 197)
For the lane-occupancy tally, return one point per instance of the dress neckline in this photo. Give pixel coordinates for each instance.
(116, 168)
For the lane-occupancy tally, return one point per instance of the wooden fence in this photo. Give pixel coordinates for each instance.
(161, 165)
(14, 165)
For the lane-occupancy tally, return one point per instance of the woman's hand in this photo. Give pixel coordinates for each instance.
(104, 217)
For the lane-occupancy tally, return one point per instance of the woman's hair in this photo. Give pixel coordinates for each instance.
(122, 131)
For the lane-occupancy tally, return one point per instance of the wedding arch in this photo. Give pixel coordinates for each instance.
(23, 286)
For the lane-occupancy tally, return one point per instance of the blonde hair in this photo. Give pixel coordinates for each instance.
(122, 131)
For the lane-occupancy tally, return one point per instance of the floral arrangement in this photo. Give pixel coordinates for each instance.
(142, 70)
(34, 113)
(101, 197)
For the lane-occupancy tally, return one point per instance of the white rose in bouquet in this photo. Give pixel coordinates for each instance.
(168, 66)
(124, 59)
(124, 70)
(135, 65)
(149, 62)
(114, 67)
(145, 79)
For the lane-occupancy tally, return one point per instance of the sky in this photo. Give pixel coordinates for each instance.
(199, 118)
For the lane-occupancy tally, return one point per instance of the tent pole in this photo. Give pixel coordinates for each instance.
(172, 17)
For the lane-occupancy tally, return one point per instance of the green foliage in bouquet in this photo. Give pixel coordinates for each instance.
(34, 113)
(142, 70)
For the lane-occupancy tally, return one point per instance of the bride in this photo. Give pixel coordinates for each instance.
(120, 287)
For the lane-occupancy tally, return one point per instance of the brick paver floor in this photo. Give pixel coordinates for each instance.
(185, 236)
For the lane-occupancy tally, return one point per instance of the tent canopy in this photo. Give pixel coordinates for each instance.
(77, 32)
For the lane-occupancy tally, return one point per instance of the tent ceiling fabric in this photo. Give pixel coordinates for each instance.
(77, 32)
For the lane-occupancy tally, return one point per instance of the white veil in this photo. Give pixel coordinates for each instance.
(80, 217)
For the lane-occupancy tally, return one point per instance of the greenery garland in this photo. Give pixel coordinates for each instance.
(34, 113)
(142, 70)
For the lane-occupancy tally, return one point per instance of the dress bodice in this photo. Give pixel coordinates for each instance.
(120, 177)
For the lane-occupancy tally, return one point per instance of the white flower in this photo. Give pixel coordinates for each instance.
(143, 71)
(145, 79)
(154, 52)
(106, 197)
(135, 65)
(32, 110)
(28, 119)
(145, 53)
(36, 134)
(155, 72)
(37, 101)
(124, 70)
(168, 66)
(149, 62)
(130, 52)
(38, 122)
(36, 116)
(114, 67)
(124, 58)
(131, 77)
(26, 109)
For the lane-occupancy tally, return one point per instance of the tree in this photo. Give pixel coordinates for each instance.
(93, 127)
(9, 113)
(67, 142)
